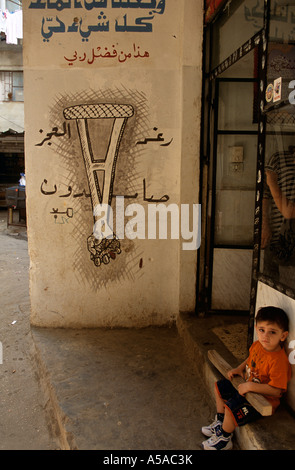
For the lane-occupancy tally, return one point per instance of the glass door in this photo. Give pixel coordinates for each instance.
(231, 154)
(233, 192)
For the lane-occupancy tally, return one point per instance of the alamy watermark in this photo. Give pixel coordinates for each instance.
(152, 221)
(292, 94)
(292, 353)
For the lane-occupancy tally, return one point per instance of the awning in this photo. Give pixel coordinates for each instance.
(11, 142)
(212, 8)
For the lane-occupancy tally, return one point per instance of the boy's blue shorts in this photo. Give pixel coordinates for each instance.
(242, 411)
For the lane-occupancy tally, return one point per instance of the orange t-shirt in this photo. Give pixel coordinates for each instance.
(268, 367)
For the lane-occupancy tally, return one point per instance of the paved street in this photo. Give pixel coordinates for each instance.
(115, 389)
(22, 414)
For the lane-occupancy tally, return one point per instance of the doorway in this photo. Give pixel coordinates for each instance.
(229, 188)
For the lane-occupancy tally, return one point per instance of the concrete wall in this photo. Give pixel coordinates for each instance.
(145, 60)
(11, 57)
(13, 116)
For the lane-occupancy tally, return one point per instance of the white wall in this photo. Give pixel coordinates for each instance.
(150, 280)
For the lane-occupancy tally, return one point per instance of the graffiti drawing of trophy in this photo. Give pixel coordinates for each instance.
(91, 125)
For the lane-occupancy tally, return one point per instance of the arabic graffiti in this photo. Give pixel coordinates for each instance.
(279, 12)
(163, 198)
(105, 53)
(280, 63)
(54, 191)
(55, 133)
(282, 17)
(47, 31)
(60, 5)
(54, 25)
(159, 138)
(63, 220)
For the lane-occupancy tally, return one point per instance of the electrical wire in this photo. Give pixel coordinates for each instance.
(11, 122)
(18, 4)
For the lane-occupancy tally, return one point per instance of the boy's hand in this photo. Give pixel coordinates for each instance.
(244, 388)
(231, 373)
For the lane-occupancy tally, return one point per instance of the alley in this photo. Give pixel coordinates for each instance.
(23, 423)
(114, 389)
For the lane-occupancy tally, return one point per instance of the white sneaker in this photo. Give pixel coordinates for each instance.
(218, 442)
(211, 429)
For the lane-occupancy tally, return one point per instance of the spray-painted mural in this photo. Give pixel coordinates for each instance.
(106, 125)
(99, 136)
(100, 143)
(100, 170)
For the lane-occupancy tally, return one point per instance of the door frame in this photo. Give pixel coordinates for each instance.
(259, 40)
(216, 133)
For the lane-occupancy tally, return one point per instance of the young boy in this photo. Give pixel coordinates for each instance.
(266, 371)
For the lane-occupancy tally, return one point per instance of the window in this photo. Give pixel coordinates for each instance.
(12, 5)
(11, 86)
(278, 213)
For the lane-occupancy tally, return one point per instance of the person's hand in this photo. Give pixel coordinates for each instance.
(231, 373)
(244, 388)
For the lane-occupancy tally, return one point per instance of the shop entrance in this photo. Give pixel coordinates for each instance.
(233, 182)
(229, 187)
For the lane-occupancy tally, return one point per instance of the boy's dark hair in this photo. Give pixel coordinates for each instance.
(273, 315)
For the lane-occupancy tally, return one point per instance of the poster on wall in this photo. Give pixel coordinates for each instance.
(280, 69)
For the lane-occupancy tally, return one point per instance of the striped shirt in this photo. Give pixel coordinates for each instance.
(283, 164)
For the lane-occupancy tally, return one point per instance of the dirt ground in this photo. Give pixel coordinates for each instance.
(23, 424)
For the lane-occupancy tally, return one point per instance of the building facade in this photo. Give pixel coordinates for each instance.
(112, 121)
(154, 131)
(248, 162)
(11, 96)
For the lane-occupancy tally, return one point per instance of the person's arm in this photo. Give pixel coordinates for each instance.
(238, 370)
(263, 389)
(285, 206)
